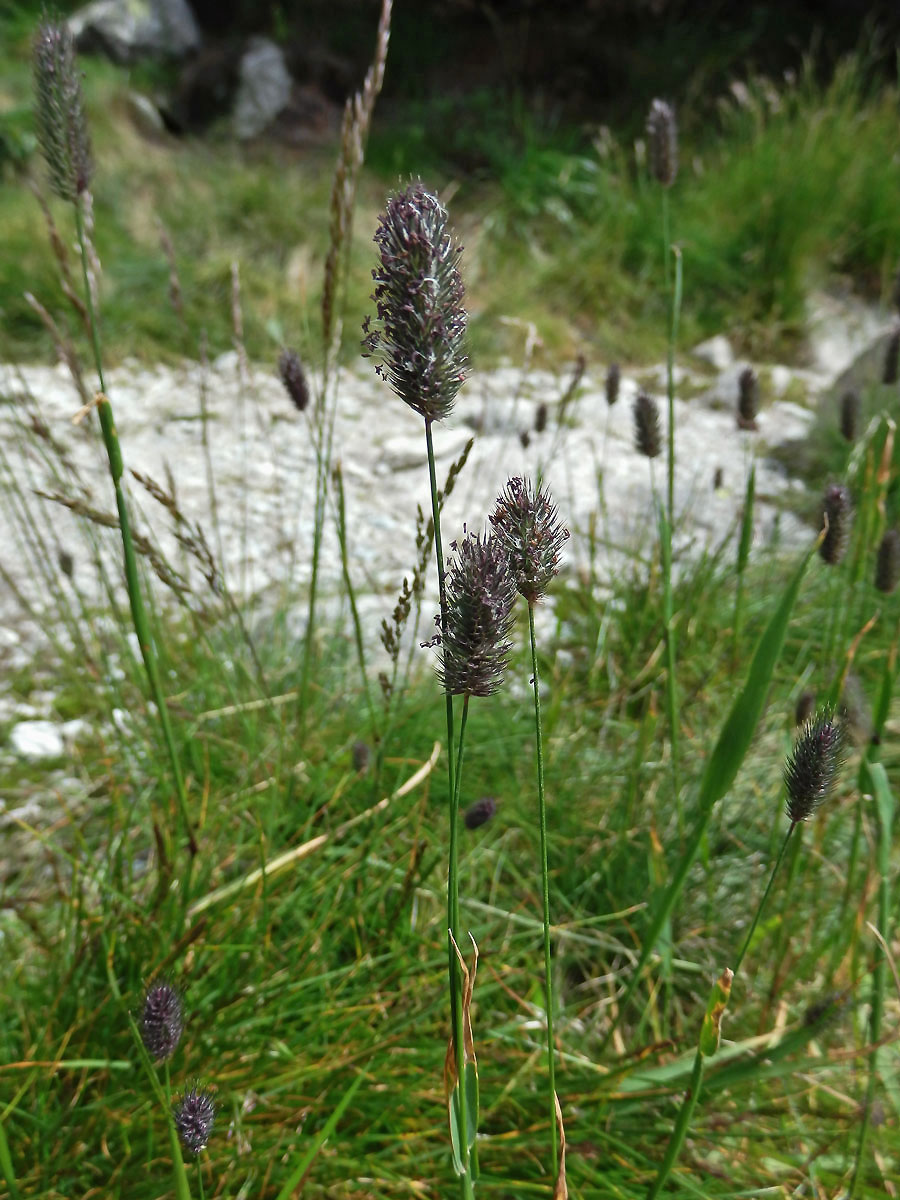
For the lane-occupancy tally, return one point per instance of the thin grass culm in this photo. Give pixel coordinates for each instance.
(809, 777)
(63, 137)
(527, 525)
(418, 341)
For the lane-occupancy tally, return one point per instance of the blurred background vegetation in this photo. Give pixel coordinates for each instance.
(528, 117)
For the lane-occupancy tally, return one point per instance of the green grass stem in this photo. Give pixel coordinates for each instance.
(545, 889)
(132, 575)
(723, 765)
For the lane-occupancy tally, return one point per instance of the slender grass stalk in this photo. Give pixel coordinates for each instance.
(455, 981)
(743, 556)
(132, 575)
(885, 808)
(809, 775)
(721, 769)
(6, 1165)
(338, 477)
(545, 886)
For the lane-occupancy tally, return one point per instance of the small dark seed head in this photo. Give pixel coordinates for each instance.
(525, 438)
(66, 563)
(162, 1022)
(806, 706)
(293, 376)
(892, 358)
(613, 380)
(748, 399)
(647, 432)
(718, 479)
(887, 568)
(480, 812)
(851, 409)
(810, 771)
(195, 1116)
(362, 756)
(662, 143)
(419, 331)
(836, 508)
(60, 122)
(540, 418)
(527, 527)
(895, 295)
(481, 593)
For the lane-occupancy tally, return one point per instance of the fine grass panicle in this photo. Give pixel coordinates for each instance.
(647, 428)
(837, 511)
(480, 812)
(526, 523)
(481, 591)
(810, 771)
(612, 383)
(419, 334)
(850, 414)
(60, 120)
(162, 1021)
(293, 377)
(195, 1118)
(662, 143)
(748, 400)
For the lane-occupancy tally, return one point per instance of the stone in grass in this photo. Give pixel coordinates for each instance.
(37, 740)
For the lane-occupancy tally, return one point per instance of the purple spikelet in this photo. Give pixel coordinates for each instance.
(195, 1116)
(419, 331)
(810, 771)
(527, 525)
(481, 593)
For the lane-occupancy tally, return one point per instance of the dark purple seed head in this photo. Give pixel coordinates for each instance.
(195, 1116)
(162, 1021)
(60, 122)
(481, 593)
(293, 376)
(362, 756)
(526, 524)
(540, 418)
(836, 510)
(806, 706)
(613, 382)
(851, 410)
(887, 568)
(419, 330)
(811, 769)
(480, 812)
(662, 143)
(748, 399)
(647, 430)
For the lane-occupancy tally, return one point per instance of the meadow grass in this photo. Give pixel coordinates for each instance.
(312, 950)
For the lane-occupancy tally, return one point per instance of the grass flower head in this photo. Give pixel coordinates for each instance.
(811, 769)
(419, 331)
(293, 376)
(162, 1022)
(662, 143)
(60, 122)
(836, 507)
(528, 528)
(647, 431)
(195, 1116)
(481, 593)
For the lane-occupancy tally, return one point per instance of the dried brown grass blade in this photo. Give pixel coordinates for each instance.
(355, 125)
(561, 1188)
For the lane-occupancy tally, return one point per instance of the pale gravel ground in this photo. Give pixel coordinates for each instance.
(264, 469)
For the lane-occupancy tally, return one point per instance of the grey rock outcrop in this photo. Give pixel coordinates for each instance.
(264, 88)
(129, 30)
